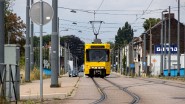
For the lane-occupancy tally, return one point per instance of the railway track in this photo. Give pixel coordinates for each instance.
(125, 89)
(103, 94)
(167, 83)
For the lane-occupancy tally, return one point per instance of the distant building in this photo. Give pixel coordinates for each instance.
(136, 53)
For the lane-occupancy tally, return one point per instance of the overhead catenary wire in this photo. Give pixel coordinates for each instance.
(100, 5)
(121, 12)
(107, 12)
(144, 11)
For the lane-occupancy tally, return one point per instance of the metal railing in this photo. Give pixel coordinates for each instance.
(8, 78)
(2, 79)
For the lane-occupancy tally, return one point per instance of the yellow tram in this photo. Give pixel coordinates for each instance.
(97, 60)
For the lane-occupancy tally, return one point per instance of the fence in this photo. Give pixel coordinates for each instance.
(9, 82)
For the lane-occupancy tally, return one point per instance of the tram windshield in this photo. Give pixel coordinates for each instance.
(97, 55)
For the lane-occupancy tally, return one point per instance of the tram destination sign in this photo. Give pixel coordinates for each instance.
(173, 49)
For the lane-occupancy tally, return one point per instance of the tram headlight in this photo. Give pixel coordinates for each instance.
(102, 67)
(95, 67)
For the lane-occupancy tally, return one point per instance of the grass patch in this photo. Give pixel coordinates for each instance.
(34, 75)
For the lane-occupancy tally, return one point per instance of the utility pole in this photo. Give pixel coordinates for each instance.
(65, 57)
(31, 47)
(150, 46)
(161, 65)
(27, 46)
(165, 43)
(58, 46)
(184, 57)
(54, 46)
(178, 41)
(150, 43)
(41, 39)
(2, 33)
(169, 42)
(144, 56)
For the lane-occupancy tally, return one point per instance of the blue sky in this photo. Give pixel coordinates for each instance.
(114, 13)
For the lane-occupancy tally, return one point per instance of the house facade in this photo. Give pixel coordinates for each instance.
(153, 42)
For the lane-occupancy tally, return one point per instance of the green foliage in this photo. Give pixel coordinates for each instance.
(22, 62)
(45, 49)
(150, 21)
(14, 25)
(36, 41)
(76, 46)
(36, 55)
(8, 6)
(124, 35)
(46, 40)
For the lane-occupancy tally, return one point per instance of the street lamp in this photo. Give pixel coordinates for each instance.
(161, 65)
(73, 11)
(74, 23)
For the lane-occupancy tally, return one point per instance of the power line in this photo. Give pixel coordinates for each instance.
(95, 11)
(145, 10)
(105, 13)
(100, 5)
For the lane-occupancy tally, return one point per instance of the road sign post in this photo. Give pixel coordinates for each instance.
(41, 13)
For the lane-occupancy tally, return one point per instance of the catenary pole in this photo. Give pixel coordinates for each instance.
(58, 46)
(150, 46)
(184, 55)
(165, 43)
(2, 33)
(31, 45)
(161, 64)
(169, 41)
(27, 46)
(54, 46)
(178, 41)
(144, 57)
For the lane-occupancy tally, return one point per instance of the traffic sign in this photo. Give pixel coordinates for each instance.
(35, 13)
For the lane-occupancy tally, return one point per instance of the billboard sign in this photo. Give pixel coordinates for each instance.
(173, 49)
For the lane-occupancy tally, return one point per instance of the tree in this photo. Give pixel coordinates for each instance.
(76, 46)
(124, 35)
(150, 21)
(46, 39)
(14, 25)
(36, 41)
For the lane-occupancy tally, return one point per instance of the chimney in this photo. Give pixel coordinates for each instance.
(167, 14)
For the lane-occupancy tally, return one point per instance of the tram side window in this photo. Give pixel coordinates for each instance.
(87, 55)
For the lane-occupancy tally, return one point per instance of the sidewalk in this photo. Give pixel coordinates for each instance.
(32, 90)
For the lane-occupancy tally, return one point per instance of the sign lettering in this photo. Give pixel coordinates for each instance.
(172, 49)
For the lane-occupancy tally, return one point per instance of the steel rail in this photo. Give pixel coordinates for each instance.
(103, 94)
(125, 89)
